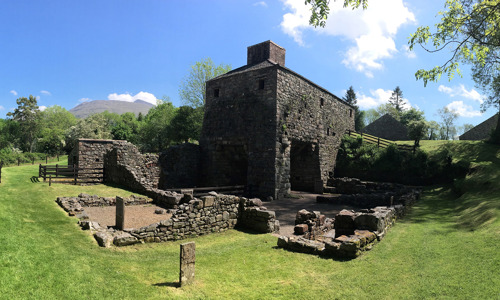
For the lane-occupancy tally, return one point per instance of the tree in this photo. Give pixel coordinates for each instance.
(464, 128)
(351, 98)
(469, 28)
(155, 133)
(186, 124)
(27, 114)
(126, 127)
(433, 130)
(55, 121)
(417, 130)
(448, 117)
(411, 114)
(371, 115)
(95, 126)
(320, 10)
(396, 100)
(192, 89)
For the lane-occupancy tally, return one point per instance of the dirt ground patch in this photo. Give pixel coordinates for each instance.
(136, 216)
(286, 209)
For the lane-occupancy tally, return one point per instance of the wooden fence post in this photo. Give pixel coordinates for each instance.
(378, 143)
(57, 157)
(50, 180)
(57, 167)
(39, 170)
(46, 159)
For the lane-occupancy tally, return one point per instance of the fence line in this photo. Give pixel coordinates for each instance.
(381, 143)
(71, 174)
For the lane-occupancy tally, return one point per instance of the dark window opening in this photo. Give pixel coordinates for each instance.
(328, 131)
(321, 102)
(216, 93)
(261, 84)
(97, 160)
(350, 113)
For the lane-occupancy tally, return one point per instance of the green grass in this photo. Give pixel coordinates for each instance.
(446, 248)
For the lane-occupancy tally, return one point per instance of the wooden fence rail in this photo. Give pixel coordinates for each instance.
(381, 143)
(71, 174)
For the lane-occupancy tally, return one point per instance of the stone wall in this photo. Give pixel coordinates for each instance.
(311, 123)
(193, 217)
(126, 166)
(180, 165)
(481, 131)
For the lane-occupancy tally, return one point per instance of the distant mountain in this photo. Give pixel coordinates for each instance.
(114, 106)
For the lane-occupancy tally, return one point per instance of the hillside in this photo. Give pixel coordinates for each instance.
(86, 109)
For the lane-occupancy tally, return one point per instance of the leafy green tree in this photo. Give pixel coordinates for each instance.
(411, 114)
(448, 117)
(192, 89)
(27, 114)
(9, 130)
(433, 131)
(470, 29)
(351, 98)
(397, 101)
(320, 10)
(370, 115)
(126, 127)
(464, 128)
(155, 133)
(186, 124)
(55, 121)
(93, 127)
(417, 129)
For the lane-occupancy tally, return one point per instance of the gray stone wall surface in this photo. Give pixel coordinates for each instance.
(180, 165)
(481, 131)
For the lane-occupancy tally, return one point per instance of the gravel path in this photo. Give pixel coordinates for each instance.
(286, 209)
(136, 216)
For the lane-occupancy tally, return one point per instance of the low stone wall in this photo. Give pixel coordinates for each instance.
(192, 217)
(349, 233)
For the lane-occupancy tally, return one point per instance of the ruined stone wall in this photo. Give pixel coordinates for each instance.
(386, 127)
(126, 166)
(312, 121)
(238, 136)
(195, 217)
(481, 131)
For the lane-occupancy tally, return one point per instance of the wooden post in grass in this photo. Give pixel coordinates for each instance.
(120, 213)
(46, 159)
(187, 257)
(57, 166)
(50, 180)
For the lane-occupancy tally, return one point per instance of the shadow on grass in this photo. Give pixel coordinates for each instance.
(174, 284)
(34, 179)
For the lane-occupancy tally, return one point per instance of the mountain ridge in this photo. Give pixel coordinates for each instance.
(88, 108)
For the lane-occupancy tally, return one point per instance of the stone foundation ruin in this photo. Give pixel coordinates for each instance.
(193, 217)
(350, 233)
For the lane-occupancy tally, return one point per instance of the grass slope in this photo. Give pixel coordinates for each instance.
(446, 248)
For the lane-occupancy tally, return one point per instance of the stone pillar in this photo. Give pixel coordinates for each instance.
(186, 275)
(120, 213)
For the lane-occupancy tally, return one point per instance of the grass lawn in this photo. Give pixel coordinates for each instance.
(446, 248)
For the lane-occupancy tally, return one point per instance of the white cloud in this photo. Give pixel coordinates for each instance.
(372, 31)
(408, 53)
(13, 92)
(376, 98)
(463, 110)
(2, 108)
(144, 96)
(42, 108)
(260, 3)
(84, 99)
(45, 92)
(461, 91)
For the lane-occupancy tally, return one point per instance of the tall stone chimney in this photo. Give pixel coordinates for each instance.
(264, 51)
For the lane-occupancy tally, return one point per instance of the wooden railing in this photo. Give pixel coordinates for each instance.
(381, 143)
(70, 174)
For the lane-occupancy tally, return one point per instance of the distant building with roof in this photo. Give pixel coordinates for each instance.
(481, 131)
(387, 127)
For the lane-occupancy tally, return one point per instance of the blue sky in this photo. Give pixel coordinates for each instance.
(66, 52)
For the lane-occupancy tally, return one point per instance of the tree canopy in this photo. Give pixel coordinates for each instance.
(192, 89)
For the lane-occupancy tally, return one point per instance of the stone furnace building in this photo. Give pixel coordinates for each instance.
(269, 128)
